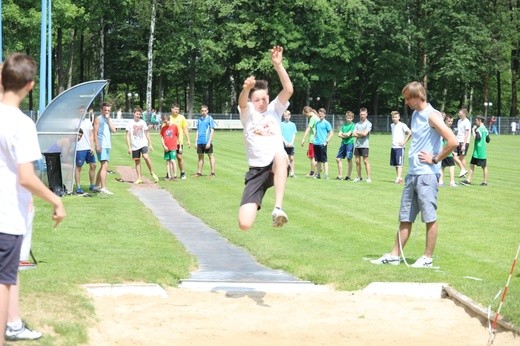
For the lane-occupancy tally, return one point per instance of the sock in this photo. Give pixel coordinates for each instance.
(16, 325)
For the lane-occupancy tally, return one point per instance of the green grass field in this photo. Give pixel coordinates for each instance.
(334, 226)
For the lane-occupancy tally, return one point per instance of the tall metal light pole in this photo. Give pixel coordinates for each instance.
(486, 105)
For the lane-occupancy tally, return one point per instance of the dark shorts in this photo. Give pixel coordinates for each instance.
(289, 150)
(83, 156)
(462, 149)
(10, 246)
(201, 149)
(361, 152)
(448, 162)
(478, 162)
(179, 150)
(310, 151)
(257, 181)
(320, 153)
(136, 154)
(396, 157)
(345, 151)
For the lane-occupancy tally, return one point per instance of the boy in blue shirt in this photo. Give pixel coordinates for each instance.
(289, 134)
(323, 135)
(205, 132)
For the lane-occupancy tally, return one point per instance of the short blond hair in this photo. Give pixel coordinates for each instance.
(414, 90)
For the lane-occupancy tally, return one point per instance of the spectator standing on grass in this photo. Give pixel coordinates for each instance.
(513, 127)
(479, 157)
(323, 135)
(362, 145)
(448, 160)
(182, 124)
(103, 129)
(401, 134)
(19, 148)
(85, 154)
(289, 135)
(263, 139)
(138, 142)
(204, 135)
(493, 125)
(346, 148)
(312, 119)
(463, 137)
(169, 139)
(421, 183)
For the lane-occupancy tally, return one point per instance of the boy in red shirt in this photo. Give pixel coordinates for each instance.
(169, 139)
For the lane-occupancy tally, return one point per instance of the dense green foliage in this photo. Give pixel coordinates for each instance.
(347, 53)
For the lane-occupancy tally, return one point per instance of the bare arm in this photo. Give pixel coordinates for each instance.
(287, 87)
(185, 131)
(128, 142)
(307, 130)
(31, 182)
(96, 137)
(150, 146)
(249, 83)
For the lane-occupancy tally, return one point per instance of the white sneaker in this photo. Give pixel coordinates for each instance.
(96, 189)
(23, 333)
(453, 185)
(369, 180)
(279, 217)
(387, 259)
(358, 179)
(105, 191)
(463, 173)
(423, 262)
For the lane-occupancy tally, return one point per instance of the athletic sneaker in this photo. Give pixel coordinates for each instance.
(387, 259)
(369, 180)
(155, 177)
(105, 191)
(483, 184)
(96, 189)
(91, 188)
(423, 262)
(79, 191)
(317, 176)
(339, 178)
(279, 217)
(463, 173)
(138, 181)
(183, 176)
(453, 185)
(358, 179)
(25, 265)
(310, 175)
(465, 182)
(348, 178)
(24, 333)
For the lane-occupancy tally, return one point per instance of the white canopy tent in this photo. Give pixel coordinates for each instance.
(58, 128)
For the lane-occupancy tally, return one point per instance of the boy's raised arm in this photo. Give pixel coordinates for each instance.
(287, 87)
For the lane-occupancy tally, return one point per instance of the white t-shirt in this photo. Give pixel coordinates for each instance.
(18, 144)
(137, 130)
(399, 131)
(84, 142)
(262, 133)
(462, 126)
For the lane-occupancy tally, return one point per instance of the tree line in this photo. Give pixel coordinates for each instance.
(340, 54)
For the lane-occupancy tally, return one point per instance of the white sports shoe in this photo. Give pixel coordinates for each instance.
(463, 173)
(387, 259)
(105, 191)
(423, 262)
(24, 333)
(279, 217)
(358, 179)
(369, 180)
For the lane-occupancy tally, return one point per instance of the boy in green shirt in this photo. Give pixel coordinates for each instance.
(479, 158)
(346, 149)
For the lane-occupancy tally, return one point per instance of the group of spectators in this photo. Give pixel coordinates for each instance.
(96, 139)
